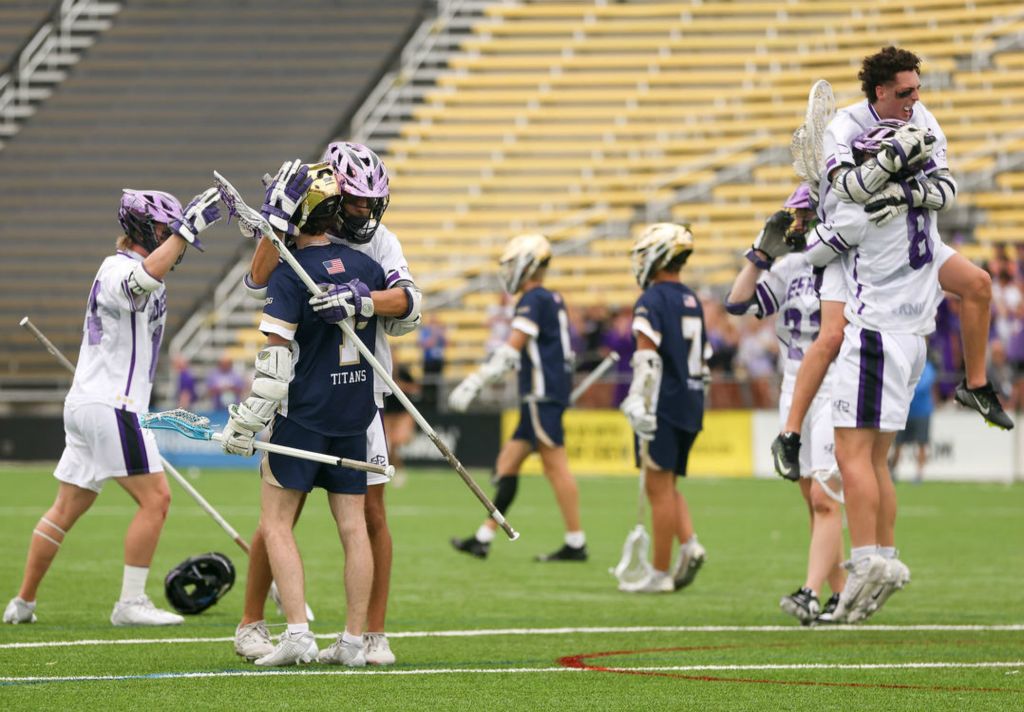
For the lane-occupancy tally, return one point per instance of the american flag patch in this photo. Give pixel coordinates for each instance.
(334, 266)
(689, 301)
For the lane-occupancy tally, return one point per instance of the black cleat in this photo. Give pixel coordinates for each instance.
(827, 615)
(786, 455)
(472, 546)
(985, 401)
(566, 553)
(802, 604)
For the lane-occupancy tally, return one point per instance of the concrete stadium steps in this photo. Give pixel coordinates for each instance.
(175, 89)
(18, 20)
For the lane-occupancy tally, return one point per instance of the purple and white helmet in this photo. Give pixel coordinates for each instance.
(801, 198)
(870, 141)
(140, 209)
(363, 183)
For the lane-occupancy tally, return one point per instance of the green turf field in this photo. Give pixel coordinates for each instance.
(511, 633)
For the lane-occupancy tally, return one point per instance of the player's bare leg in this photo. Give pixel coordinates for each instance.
(259, 576)
(510, 460)
(278, 507)
(684, 523)
(556, 469)
(854, 455)
(70, 504)
(815, 364)
(350, 514)
(665, 515)
(974, 287)
(381, 547)
(153, 496)
(886, 534)
(825, 550)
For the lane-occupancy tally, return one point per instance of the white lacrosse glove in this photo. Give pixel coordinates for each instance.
(237, 438)
(771, 241)
(910, 146)
(888, 204)
(465, 393)
(198, 215)
(285, 192)
(644, 423)
(339, 302)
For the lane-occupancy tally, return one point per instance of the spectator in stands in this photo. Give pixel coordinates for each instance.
(919, 419)
(724, 337)
(619, 338)
(499, 321)
(186, 393)
(946, 345)
(433, 339)
(224, 380)
(756, 356)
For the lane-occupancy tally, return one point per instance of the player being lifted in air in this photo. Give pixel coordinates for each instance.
(314, 386)
(123, 328)
(665, 405)
(539, 346)
(363, 181)
(792, 289)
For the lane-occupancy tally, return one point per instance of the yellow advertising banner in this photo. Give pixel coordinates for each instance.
(600, 442)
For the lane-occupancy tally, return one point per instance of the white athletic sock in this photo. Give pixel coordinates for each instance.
(485, 534)
(298, 628)
(859, 552)
(888, 552)
(692, 541)
(577, 540)
(347, 637)
(133, 584)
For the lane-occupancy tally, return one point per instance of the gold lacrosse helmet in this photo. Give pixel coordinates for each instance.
(322, 200)
(657, 246)
(522, 257)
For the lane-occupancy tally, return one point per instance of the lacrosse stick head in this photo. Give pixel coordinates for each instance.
(634, 568)
(831, 484)
(364, 187)
(806, 146)
(250, 222)
(191, 425)
(139, 212)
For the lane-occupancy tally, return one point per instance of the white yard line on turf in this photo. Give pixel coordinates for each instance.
(306, 672)
(557, 631)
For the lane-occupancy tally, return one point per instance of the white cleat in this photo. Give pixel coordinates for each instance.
(141, 611)
(866, 575)
(656, 582)
(19, 611)
(896, 576)
(253, 641)
(378, 650)
(291, 649)
(342, 653)
(688, 561)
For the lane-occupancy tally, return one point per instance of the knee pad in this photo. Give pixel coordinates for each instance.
(507, 486)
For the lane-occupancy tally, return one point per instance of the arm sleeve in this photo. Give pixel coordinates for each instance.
(647, 320)
(527, 315)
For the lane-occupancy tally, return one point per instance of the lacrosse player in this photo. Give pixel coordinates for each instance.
(665, 405)
(124, 324)
(789, 286)
(891, 82)
(363, 182)
(539, 346)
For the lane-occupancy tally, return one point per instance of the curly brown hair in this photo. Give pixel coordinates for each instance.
(882, 67)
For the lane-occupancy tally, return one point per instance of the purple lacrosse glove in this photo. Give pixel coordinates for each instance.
(197, 216)
(284, 194)
(339, 302)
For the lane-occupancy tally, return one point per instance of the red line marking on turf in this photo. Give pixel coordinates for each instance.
(580, 662)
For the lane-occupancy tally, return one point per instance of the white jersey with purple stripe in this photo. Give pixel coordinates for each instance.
(791, 290)
(121, 339)
(385, 250)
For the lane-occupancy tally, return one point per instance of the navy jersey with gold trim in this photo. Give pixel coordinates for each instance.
(332, 390)
(545, 371)
(671, 316)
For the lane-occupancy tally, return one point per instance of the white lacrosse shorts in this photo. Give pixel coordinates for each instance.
(377, 444)
(101, 442)
(874, 379)
(817, 441)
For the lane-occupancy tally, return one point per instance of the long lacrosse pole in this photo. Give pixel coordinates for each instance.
(609, 361)
(268, 232)
(168, 467)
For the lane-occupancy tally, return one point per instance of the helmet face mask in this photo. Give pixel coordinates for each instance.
(363, 184)
(523, 256)
(199, 582)
(656, 247)
(140, 212)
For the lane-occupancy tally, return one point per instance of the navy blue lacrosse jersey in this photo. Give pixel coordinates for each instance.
(545, 371)
(670, 314)
(332, 391)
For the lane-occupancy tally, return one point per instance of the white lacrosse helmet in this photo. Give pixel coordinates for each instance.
(522, 257)
(657, 246)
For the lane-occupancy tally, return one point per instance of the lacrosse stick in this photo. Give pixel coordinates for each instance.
(609, 361)
(251, 220)
(170, 469)
(197, 427)
(806, 146)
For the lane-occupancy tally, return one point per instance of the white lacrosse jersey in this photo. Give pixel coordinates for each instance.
(790, 289)
(121, 339)
(385, 250)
